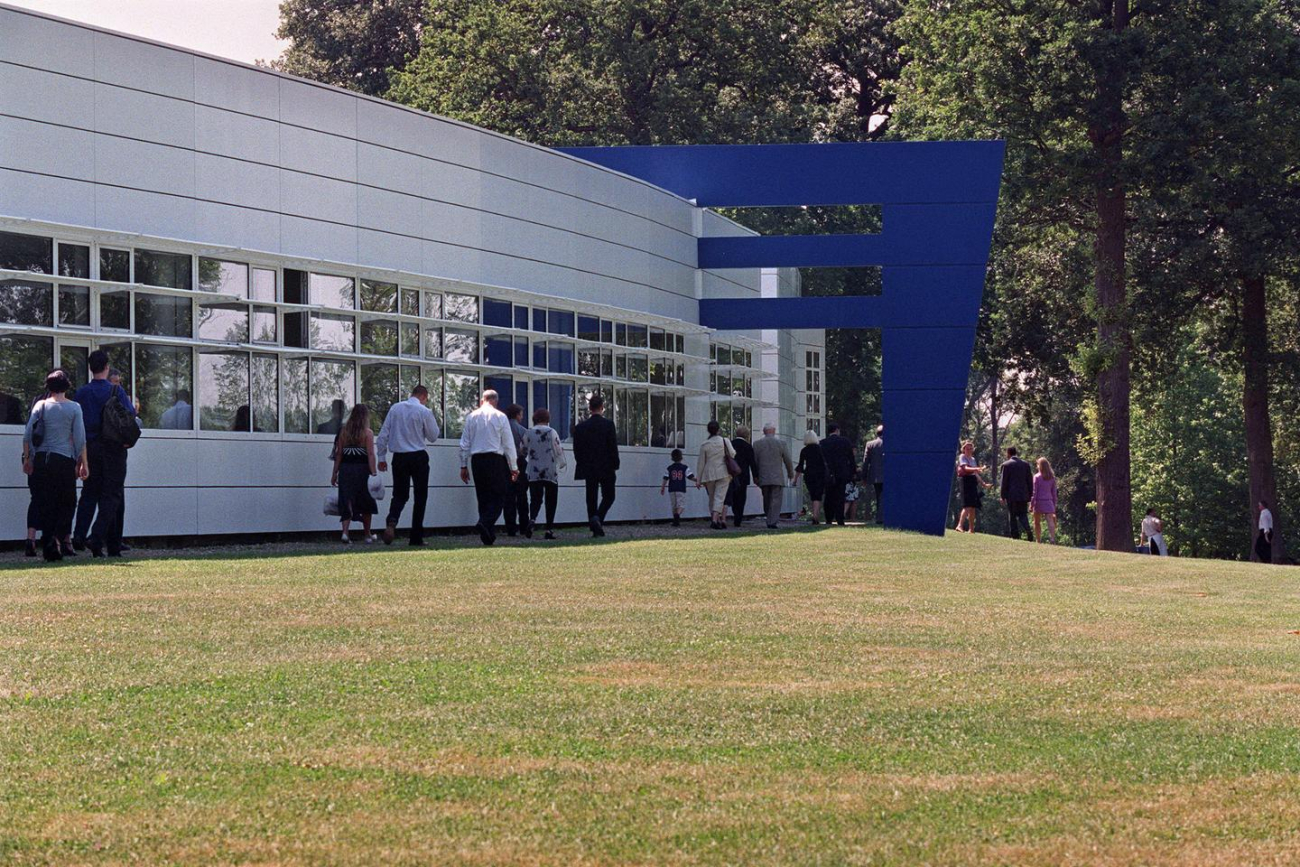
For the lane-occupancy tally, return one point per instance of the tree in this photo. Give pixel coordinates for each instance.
(349, 43)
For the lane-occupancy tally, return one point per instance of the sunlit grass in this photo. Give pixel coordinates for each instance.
(844, 696)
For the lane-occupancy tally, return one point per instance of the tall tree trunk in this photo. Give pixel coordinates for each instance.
(1254, 401)
(1114, 496)
(993, 411)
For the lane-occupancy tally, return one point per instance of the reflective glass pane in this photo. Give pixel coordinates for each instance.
(74, 306)
(657, 338)
(163, 316)
(119, 359)
(606, 363)
(74, 361)
(638, 336)
(380, 389)
(164, 383)
(228, 278)
(266, 393)
(331, 291)
(24, 364)
(433, 342)
(638, 426)
(409, 339)
(621, 415)
(606, 331)
(539, 354)
(559, 357)
(658, 375)
(408, 379)
(263, 286)
(297, 418)
(333, 384)
(588, 363)
(462, 399)
(462, 308)
(115, 265)
(539, 319)
(223, 391)
(378, 297)
(680, 439)
(560, 322)
(661, 419)
(637, 368)
(433, 305)
(460, 346)
(559, 394)
(226, 322)
(521, 352)
(588, 328)
(25, 302)
(521, 317)
(154, 268)
(499, 350)
(26, 253)
(264, 325)
(333, 333)
(74, 261)
(498, 313)
(379, 337)
(620, 333)
(410, 302)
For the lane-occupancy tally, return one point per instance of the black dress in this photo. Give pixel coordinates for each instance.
(971, 495)
(813, 468)
(354, 485)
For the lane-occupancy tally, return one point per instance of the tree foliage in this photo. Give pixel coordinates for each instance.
(349, 43)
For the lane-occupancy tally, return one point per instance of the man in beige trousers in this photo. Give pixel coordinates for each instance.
(773, 470)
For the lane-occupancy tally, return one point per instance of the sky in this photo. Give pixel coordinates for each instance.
(237, 29)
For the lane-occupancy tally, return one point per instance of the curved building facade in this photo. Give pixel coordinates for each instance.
(255, 251)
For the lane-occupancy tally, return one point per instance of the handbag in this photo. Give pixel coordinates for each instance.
(332, 504)
(38, 429)
(376, 486)
(727, 455)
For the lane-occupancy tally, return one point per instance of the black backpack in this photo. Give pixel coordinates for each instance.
(116, 424)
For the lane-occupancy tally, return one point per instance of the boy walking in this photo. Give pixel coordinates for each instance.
(674, 482)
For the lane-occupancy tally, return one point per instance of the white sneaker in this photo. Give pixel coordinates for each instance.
(370, 540)
(344, 539)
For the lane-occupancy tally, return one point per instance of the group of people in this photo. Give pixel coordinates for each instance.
(71, 438)
(1022, 491)
(830, 474)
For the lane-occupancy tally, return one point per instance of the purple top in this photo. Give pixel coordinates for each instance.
(1044, 495)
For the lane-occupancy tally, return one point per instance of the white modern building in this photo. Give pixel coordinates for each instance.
(256, 251)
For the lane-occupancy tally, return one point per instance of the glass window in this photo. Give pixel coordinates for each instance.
(606, 363)
(738, 387)
(460, 347)
(380, 389)
(560, 322)
(680, 440)
(499, 350)
(539, 354)
(331, 291)
(433, 342)
(296, 324)
(333, 384)
(409, 302)
(521, 317)
(588, 363)
(26, 302)
(539, 319)
(408, 378)
(223, 320)
(637, 368)
(559, 357)
(559, 396)
(115, 310)
(620, 333)
(462, 308)
(74, 261)
(264, 324)
(223, 391)
(638, 336)
(681, 344)
(462, 399)
(606, 331)
(333, 333)
(657, 339)
(119, 359)
(263, 285)
(620, 366)
(164, 383)
(266, 393)
(497, 313)
(378, 297)
(73, 361)
(174, 270)
(658, 376)
(432, 305)
(621, 402)
(163, 316)
(504, 386)
(297, 418)
(723, 384)
(74, 306)
(227, 278)
(588, 328)
(521, 352)
(379, 337)
(115, 265)
(638, 411)
(26, 253)
(662, 423)
(408, 339)
(24, 364)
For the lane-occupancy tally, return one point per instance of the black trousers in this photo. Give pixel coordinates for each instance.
(491, 482)
(1264, 547)
(1018, 519)
(54, 483)
(89, 503)
(880, 488)
(548, 491)
(106, 490)
(834, 501)
(516, 504)
(33, 508)
(739, 493)
(605, 487)
(410, 468)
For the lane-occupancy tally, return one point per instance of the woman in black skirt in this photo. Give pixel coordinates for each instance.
(972, 498)
(354, 464)
(812, 467)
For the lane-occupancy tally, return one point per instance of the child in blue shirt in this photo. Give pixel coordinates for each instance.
(674, 482)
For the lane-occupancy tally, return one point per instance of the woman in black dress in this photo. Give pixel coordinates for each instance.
(354, 464)
(812, 467)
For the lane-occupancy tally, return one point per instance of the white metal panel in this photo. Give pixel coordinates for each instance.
(44, 44)
(321, 153)
(448, 183)
(389, 211)
(143, 66)
(144, 166)
(390, 169)
(318, 198)
(40, 197)
(144, 116)
(315, 239)
(236, 182)
(32, 146)
(385, 250)
(317, 107)
(39, 95)
(237, 88)
(138, 211)
(236, 227)
(232, 134)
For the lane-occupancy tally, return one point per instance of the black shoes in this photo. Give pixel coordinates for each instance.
(415, 543)
(96, 550)
(527, 530)
(485, 534)
(549, 535)
(597, 529)
(79, 544)
(677, 522)
(66, 550)
(30, 550)
(51, 552)
(390, 533)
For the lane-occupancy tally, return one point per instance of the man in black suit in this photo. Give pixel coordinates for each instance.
(595, 452)
(841, 467)
(1017, 491)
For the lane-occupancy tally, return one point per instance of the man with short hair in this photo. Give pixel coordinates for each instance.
(406, 429)
(595, 453)
(1017, 491)
(773, 470)
(105, 488)
(841, 467)
(873, 467)
(488, 448)
(180, 415)
(516, 504)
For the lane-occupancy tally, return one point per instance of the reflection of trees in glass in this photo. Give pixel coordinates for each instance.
(25, 302)
(462, 399)
(24, 364)
(330, 381)
(114, 265)
(115, 310)
(622, 415)
(153, 268)
(331, 291)
(228, 322)
(379, 337)
(379, 391)
(333, 333)
(378, 297)
(433, 342)
(263, 286)
(266, 393)
(433, 305)
(661, 419)
(296, 415)
(462, 308)
(410, 339)
(119, 358)
(460, 346)
(164, 377)
(162, 316)
(410, 302)
(72, 359)
(223, 388)
(638, 424)
(264, 330)
(74, 305)
(26, 253)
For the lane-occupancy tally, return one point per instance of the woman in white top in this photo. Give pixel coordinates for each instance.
(1264, 541)
(1153, 534)
(545, 457)
(713, 475)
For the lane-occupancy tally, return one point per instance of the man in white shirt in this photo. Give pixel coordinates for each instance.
(487, 447)
(1264, 541)
(406, 429)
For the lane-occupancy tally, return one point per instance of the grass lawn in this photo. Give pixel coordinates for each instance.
(848, 696)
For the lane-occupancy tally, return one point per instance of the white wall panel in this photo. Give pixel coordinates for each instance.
(317, 107)
(144, 166)
(390, 169)
(313, 239)
(229, 133)
(450, 183)
(389, 211)
(237, 88)
(236, 227)
(45, 44)
(39, 95)
(144, 116)
(148, 213)
(32, 146)
(236, 182)
(384, 250)
(318, 198)
(38, 197)
(144, 66)
(321, 153)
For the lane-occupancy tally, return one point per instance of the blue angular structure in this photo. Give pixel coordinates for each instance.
(938, 201)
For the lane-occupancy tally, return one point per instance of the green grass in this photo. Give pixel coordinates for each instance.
(846, 696)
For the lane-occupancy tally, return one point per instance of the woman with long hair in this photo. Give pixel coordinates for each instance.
(972, 498)
(812, 469)
(54, 455)
(545, 456)
(354, 464)
(1044, 502)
